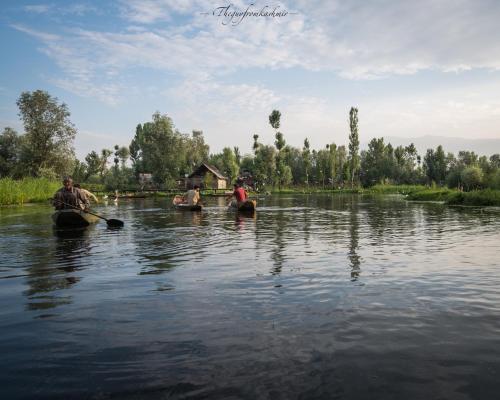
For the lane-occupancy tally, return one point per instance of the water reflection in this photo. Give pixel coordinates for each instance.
(57, 269)
(174, 302)
(354, 258)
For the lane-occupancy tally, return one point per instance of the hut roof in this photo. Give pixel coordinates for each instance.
(202, 167)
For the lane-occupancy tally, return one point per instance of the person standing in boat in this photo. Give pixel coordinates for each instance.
(193, 196)
(69, 197)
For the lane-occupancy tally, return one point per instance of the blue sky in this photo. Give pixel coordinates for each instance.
(412, 68)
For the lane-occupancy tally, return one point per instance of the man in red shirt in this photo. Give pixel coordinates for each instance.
(239, 194)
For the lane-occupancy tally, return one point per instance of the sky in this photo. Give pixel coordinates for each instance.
(412, 68)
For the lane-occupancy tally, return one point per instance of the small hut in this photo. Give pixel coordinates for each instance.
(206, 177)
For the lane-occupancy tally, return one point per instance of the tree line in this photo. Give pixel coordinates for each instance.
(45, 149)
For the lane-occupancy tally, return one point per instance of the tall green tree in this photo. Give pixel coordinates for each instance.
(255, 146)
(332, 148)
(49, 133)
(275, 119)
(435, 165)
(123, 153)
(197, 150)
(230, 166)
(354, 160)
(10, 148)
(306, 159)
(103, 161)
(93, 164)
(237, 154)
(283, 171)
(158, 148)
(373, 162)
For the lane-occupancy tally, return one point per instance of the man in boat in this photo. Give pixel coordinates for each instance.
(87, 193)
(70, 197)
(193, 196)
(240, 194)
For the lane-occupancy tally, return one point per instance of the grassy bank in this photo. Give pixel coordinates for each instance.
(309, 190)
(486, 197)
(27, 190)
(394, 189)
(377, 189)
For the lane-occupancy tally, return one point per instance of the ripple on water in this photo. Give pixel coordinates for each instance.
(305, 299)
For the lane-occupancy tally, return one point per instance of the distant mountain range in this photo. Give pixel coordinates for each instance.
(485, 147)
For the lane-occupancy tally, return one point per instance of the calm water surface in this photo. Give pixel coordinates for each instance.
(349, 297)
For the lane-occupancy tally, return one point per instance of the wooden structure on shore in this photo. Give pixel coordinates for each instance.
(206, 177)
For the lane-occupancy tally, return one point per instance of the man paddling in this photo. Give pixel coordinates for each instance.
(71, 196)
(193, 196)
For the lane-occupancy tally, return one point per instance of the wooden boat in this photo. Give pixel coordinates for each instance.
(73, 218)
(244, 206)
(179, 204)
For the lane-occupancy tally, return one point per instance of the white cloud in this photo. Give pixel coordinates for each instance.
(38, 8)
(356, 40)
(78, 9)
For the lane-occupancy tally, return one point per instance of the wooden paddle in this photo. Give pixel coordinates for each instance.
(112, 223)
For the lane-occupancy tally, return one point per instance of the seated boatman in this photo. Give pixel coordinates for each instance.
(70, 197)
(193, 196)
(240, 194)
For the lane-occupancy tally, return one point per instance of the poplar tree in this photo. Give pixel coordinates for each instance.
(354, 162)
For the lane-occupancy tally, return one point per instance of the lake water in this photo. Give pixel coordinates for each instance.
(315, 297)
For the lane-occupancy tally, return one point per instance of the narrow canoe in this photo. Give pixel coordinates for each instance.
(73, 218)
(179, 205)
(244, 206)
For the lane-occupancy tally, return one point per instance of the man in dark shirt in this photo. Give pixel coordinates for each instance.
(70, 197)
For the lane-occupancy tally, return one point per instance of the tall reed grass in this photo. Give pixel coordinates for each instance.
(26, 190)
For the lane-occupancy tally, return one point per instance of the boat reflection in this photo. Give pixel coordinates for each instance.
(57, 270)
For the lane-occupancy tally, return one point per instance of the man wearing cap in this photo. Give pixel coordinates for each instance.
(70, 197)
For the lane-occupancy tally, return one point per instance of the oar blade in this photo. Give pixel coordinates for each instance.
(114, 223)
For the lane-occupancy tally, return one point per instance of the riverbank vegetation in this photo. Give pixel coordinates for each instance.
(485, 197)
(160, 156)
(26, 190)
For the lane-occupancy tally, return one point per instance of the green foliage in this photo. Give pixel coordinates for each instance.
(228, 164)
(103, 161)
(430, 195)
(93, 164)
(10, 148)
(435, 165)
(306, 160)
(26, 190)
(495, 180)
(265, 166)
(485, 197)
(79, 173)
(472, 178)
(354, 160)
(396, 189)
(160, 149)
(49, 133)
(274, 119)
